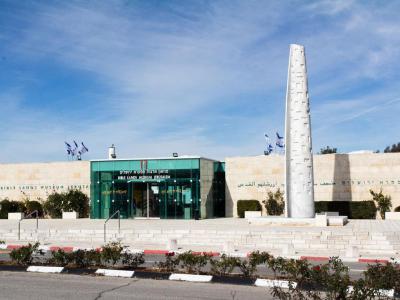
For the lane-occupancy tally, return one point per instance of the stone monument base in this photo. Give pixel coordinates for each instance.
(318, 221)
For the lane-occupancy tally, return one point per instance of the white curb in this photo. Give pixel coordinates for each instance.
(295, 257)
(115, 273)
(387, 293)
(133, 251)
(234, 254)
(274, 283)
(190, 277)
(44, 248)
(41, 269)
(3, 246)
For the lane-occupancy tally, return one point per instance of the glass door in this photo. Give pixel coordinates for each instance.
(153, 192)
(139, 199)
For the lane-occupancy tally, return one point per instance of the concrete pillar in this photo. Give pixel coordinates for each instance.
(299, 188)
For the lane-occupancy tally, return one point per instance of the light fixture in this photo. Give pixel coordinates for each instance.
(175, 154)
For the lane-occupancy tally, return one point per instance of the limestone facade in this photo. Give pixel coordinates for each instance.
(345, 177)
(38, 180)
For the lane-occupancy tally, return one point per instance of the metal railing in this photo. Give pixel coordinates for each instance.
(119, 223)
(28, 217)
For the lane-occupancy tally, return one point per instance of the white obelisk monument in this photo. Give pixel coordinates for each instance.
(299, 185)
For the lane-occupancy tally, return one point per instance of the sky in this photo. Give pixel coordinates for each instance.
(194, 77)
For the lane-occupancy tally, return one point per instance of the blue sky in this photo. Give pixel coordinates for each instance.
(193, 77)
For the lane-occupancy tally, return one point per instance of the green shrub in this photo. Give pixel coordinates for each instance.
(53, 206)
(73, 200)
(93, 257)
(112, 252)
(60, 258)
(10, 206)
(275, 204)
(362, 210)
(331, 280)
(247, 205)
(397, 209)
(384, 202)
(354, 210)
(79, 258)
(383, 276)
(31, 206)
(85, 258)
(224, 265)
(132, 260)
(24, 254)
(170, 264)
(193, 263)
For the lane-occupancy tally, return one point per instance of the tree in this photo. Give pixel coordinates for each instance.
(328, 150)
(384, 202)
(275, 205)
(73, 200)
(394, 148)
(53, 206)
(77, 201)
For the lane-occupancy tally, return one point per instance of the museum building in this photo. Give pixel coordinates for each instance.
(191, 187)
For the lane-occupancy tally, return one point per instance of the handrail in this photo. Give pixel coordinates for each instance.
(27, 217)
(119, 223)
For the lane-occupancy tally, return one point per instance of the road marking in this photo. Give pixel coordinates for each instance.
(42, 269)
(115, 273)
(190, 277)
(275, 283)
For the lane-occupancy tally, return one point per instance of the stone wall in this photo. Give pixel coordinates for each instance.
(38, 180)
(346, 177)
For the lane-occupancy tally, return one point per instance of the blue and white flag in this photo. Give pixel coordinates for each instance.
(279, 141)
(84, 149)
(269, 148)
(68, 146)
(75, 150)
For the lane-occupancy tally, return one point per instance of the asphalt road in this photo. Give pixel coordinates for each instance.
(21, 285)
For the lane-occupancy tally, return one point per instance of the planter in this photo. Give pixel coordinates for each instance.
(392, 215)
(70, 215)
(15, 216)
(252, 214)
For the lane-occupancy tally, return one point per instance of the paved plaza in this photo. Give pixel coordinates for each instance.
(366, 238)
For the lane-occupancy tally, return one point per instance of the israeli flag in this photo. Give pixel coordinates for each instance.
(68, 146)
(84, 149)
(279, 141)
(75, 150)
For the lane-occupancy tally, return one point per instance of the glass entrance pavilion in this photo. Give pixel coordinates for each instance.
(166, 188)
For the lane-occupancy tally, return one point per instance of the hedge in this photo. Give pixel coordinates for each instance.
(26, 207)
(354, 210)
(10, 206)
(72, 200)
(31, 206)
(247, 205)
(397, 209)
